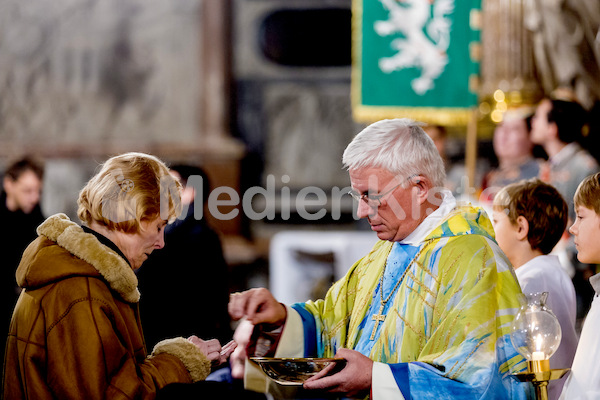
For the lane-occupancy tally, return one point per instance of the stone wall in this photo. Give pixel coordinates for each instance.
(101, 74)
(84, 80)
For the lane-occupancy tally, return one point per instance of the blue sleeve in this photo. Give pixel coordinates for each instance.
(425, 382)
(400, 372)
(310, 330)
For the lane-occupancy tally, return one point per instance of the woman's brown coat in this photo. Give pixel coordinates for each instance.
(75, 331)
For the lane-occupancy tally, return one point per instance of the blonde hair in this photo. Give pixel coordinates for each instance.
(128, 189)
(588, 193)
(541, 205)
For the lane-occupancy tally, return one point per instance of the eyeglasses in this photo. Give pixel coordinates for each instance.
(372, 199)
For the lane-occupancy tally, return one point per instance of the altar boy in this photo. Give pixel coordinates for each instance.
(529, 218)
(584, 380)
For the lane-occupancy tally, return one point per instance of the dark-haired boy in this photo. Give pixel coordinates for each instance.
(529, 219)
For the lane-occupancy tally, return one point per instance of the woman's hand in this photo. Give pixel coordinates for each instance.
(212, 349)
(227, 350)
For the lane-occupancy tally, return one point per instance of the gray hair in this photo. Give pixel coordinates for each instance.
(400, 146)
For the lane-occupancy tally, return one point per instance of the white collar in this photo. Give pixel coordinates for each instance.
(595, 282)
(433, 220)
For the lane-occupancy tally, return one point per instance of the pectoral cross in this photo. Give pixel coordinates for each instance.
(379, 317)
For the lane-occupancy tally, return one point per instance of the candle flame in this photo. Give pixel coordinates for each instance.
(539, 342)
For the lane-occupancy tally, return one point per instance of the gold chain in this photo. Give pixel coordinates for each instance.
(383, 302)
(380, 316)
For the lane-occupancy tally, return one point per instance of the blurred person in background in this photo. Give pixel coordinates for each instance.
(558, 126)
(190, 270)
(514, 149)
(21, 214)
(439, 135)
(457, 179)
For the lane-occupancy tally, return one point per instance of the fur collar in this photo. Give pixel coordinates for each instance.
(110, 265)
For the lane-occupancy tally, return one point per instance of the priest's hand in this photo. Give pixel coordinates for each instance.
(258, 306)
(242, 335)
(354, 380)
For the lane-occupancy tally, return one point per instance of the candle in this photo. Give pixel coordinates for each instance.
(538, 356)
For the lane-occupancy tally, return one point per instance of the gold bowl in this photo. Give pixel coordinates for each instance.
(294, 371)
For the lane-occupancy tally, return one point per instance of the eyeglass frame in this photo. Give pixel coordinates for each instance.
(368, 198)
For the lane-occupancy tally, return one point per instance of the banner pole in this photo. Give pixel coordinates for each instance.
(471, 151)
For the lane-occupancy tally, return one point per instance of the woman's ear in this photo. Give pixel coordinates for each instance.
(522, 227)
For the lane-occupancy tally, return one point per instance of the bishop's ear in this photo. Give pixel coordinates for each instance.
(423, 185)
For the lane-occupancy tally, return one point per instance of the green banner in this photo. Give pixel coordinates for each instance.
(415, 58)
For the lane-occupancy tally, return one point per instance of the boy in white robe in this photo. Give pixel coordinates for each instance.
(584, 381)
(529, 218)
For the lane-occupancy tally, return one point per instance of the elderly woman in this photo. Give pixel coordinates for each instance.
(75, 331)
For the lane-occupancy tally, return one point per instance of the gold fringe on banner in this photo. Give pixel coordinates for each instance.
(430, 115)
